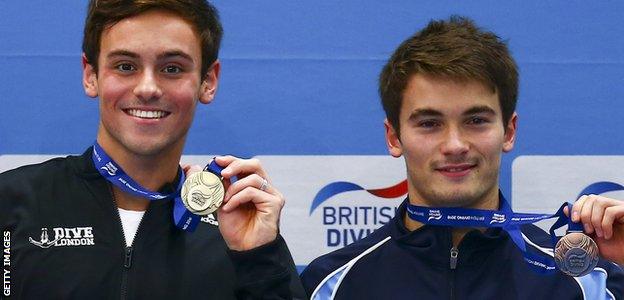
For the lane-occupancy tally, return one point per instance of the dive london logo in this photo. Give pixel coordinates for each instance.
(76, 236)
(345, 224)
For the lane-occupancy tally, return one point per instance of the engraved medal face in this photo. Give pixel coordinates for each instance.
(576, 254)
(202, 193)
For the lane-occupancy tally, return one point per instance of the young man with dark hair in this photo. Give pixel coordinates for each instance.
(78, 233)
(449, 93)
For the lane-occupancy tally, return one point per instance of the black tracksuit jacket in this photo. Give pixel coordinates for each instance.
(66, 242)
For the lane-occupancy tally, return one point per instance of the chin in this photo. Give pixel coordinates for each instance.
(147, 148)
(457, 198)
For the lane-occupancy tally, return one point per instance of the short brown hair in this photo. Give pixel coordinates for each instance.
(456, 49)
(102, 14)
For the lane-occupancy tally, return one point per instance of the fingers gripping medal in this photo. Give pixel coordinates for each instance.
(203, 192)
(576, 254)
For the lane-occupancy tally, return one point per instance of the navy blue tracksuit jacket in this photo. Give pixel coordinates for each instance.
(394, 263)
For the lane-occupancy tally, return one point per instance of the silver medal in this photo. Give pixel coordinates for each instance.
(576, 254)
(202, 193)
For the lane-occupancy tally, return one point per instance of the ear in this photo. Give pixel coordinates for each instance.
(209, 83)
(392, 140)
(510, 133)
(89, 78)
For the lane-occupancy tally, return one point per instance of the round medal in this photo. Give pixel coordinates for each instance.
(576, 254)
(202, 193)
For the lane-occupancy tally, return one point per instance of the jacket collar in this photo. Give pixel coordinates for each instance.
(84, 167)
(435, 242)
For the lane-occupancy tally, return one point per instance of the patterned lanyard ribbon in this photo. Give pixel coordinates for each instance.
(110, 170)
(504, 218)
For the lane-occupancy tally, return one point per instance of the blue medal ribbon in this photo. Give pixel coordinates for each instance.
(110, 170)
(504, 218)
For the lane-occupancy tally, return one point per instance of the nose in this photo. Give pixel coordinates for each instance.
(455, 142)
(148, 89)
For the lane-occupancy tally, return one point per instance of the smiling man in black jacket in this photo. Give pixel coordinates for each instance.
(77, 233)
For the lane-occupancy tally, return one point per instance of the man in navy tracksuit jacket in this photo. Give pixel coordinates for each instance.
(449, 93)
(395, 263)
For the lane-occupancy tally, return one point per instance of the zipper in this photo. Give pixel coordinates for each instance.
(454, 253)
(128, 258)
(453, 266)
(127, 250)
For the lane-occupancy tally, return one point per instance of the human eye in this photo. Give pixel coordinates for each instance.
(172, 69)
(428, 124)
(477, 120)
(125, 67)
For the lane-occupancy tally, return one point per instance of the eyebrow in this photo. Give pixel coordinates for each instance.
(166, 55)
(424, 112)
(481, 109)
(174, 54)
(122, 53)
(430, 112)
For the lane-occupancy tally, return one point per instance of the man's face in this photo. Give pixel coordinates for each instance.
(148, 82)
(452, 137)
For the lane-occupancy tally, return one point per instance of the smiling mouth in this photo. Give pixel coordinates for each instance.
(147, 114)
(456, 170)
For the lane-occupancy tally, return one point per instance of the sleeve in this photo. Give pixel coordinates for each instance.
(615, 281)
(266, 272)
(311, 277)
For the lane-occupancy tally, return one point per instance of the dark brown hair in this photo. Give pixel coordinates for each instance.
(456, 49)
(102, 14)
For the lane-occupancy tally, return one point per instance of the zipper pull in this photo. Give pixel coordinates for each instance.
(128, 258)
(454, 253)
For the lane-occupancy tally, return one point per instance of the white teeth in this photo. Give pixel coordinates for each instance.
(146, 114)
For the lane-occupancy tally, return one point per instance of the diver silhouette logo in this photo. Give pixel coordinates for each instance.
(45, 242)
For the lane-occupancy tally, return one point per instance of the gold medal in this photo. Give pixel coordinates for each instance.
(202, 193)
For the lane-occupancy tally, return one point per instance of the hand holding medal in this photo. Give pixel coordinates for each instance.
(249, 215)
(576, 253)
(603, 220)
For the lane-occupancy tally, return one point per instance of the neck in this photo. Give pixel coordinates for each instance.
(150, 171)
(490, 202)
